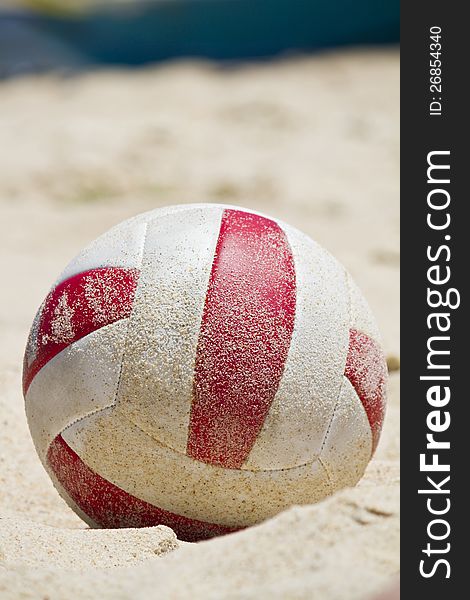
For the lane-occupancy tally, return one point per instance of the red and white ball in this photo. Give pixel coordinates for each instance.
(202, 367)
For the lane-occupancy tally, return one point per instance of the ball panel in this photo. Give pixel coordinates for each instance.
(158, 367)
(295, 426)
(109, 506)
(81, 379)
(348, 443)
(69, 501)
(366, 369)
(75, 308)
(121, 246)
(127, 457)
(244, 338)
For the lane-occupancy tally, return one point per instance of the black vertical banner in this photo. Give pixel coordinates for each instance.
(435, 241)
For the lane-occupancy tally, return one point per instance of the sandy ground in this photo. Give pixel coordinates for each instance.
(313, 141)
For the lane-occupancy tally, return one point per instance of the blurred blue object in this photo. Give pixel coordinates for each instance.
(26, 48)
(138, 32)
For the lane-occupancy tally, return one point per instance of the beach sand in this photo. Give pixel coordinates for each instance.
(311, 140)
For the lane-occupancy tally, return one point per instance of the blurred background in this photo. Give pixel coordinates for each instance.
(42, 34)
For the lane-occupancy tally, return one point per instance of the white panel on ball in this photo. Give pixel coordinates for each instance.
(81, 379)
(348, 445)
(156, 387)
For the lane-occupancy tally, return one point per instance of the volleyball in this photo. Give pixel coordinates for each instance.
(202, 367)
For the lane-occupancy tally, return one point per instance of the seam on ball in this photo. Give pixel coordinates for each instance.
(75, 421)
(328, 476)
(130, 316)
(330, 423)
(128, 420)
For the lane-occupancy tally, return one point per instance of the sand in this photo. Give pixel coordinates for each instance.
(311, 140)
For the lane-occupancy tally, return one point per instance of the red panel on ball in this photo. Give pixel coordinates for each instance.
(76, 307)
(244, 339)
(366, 369)
(111, 507)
